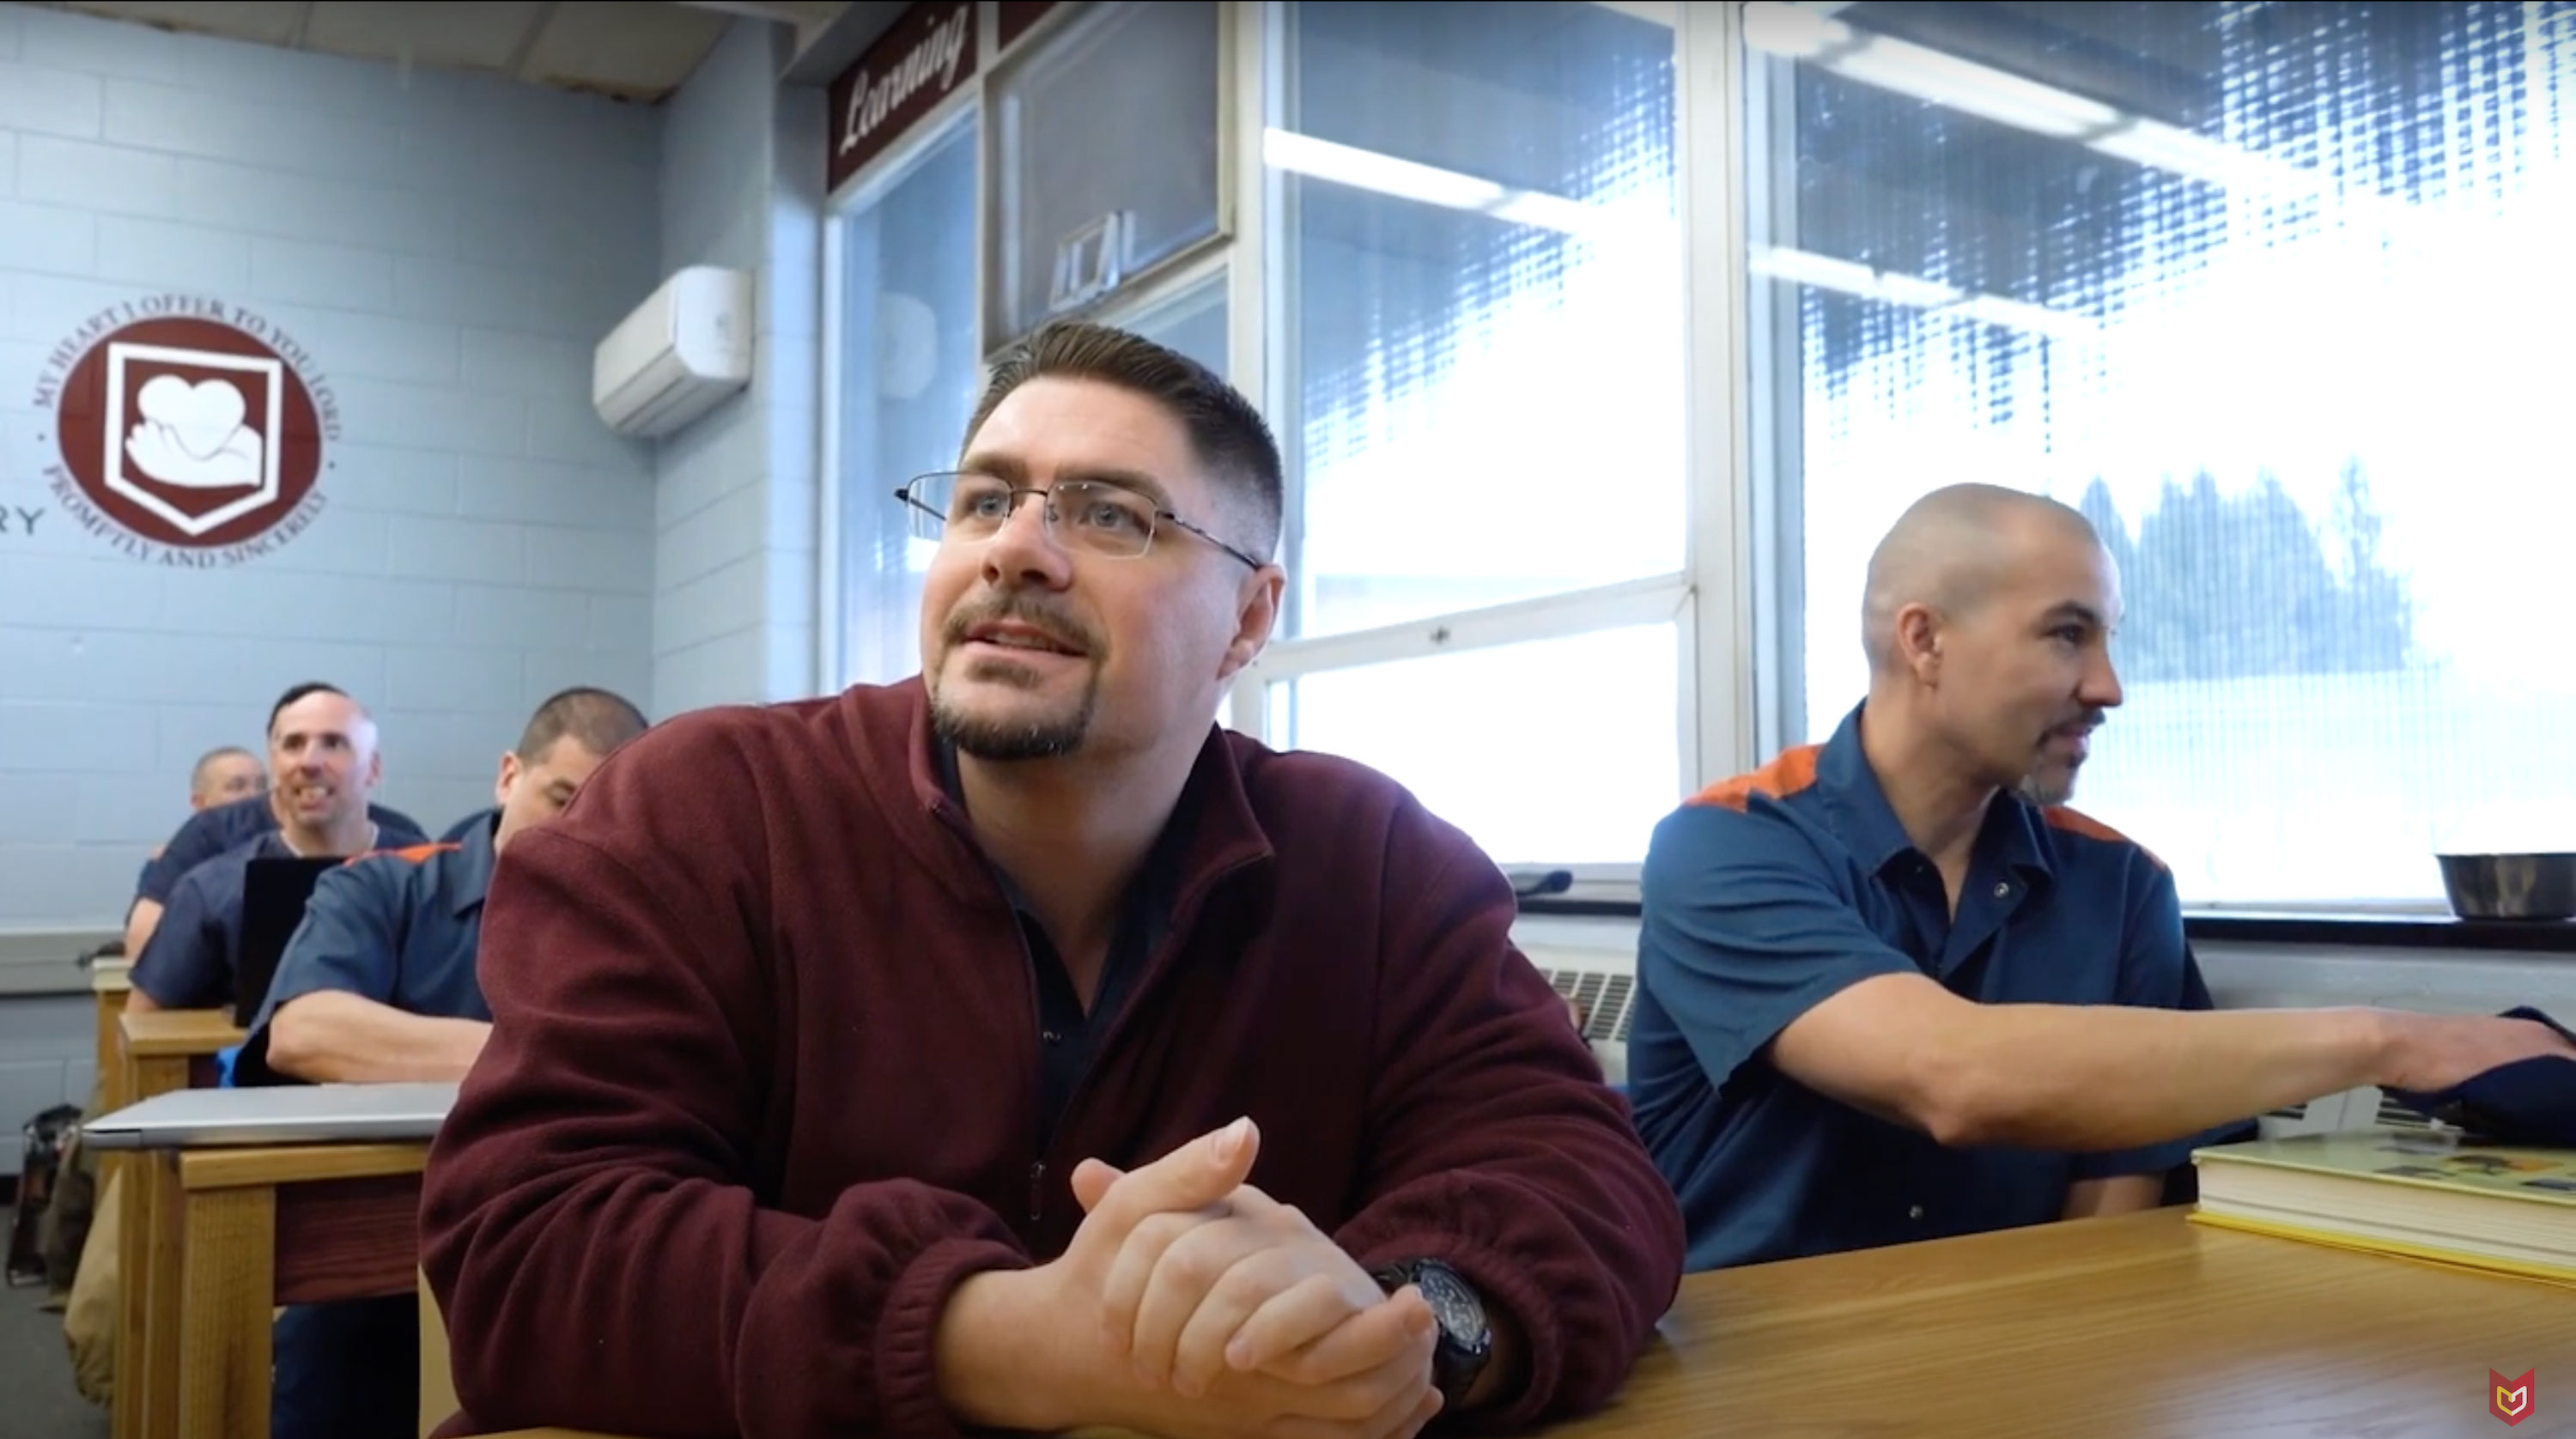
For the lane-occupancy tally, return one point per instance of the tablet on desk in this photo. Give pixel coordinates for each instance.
(288, 1114)
(274, 893)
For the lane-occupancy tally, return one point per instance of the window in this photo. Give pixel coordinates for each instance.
(1586, 775)
(1107, 163)
(1190, 319)
(1473, 232)
(909, 377)
(2268, 291)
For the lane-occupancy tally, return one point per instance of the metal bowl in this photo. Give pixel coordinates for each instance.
(2510, 886)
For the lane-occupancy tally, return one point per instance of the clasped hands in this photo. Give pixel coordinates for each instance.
(1192, 1305)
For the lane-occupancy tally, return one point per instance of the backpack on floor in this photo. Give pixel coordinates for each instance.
(47, 1135)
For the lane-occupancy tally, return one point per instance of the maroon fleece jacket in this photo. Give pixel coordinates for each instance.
(762, 1085)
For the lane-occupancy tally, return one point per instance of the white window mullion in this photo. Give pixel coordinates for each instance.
(1658, 600)
(1711, 164)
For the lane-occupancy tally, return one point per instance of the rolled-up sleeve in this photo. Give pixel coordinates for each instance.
(187, 963)
(1745, 925)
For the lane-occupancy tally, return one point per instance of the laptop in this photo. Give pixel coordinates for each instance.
(294, 1114)
(274, 892)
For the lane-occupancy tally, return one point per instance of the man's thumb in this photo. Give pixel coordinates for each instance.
(1231, 1151)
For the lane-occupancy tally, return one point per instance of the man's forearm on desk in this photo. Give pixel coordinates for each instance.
(333, 1037)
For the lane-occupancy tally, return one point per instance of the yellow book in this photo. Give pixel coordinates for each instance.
(2428, 1195)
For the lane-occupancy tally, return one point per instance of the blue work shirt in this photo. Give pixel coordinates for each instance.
(218, 828)
(195, 951)
(397, 926)
(479, 819)
(1772, 892)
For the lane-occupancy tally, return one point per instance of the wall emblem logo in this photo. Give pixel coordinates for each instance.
(187, 431)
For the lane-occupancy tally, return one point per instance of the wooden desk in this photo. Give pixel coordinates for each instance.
(157, 1052)
(108, 984)
(2140, 1327)
(246, 1230)
(167, 1049)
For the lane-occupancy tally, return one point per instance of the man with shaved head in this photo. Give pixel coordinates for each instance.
(1890, 988)
(226, 823)
(322, 751)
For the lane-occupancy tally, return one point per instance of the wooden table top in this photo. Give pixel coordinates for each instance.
(2138, 1327)
(178, 1031)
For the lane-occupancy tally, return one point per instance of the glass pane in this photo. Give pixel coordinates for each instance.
(1483, 400)
(909, 381)
(1108, 160)
(2265, 289)
(1192, 322)
(1560, 751)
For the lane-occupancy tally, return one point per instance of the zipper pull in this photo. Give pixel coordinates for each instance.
(1037, 1189)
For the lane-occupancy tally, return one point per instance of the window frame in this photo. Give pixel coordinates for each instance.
(1709, 600)
(1164, 277)
(862, 192)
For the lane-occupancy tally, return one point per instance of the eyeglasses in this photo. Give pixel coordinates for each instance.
(1091, 516)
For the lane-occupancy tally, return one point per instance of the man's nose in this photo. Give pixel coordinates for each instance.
(2101, 687)
(1024, 549)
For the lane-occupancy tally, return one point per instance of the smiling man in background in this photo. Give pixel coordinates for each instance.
(322, 749)
(1890, 989)
(227, 824)
(1268, 1120)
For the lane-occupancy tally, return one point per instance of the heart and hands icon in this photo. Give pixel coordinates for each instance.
(192, 436)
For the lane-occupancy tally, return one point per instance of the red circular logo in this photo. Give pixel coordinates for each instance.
(189, 432)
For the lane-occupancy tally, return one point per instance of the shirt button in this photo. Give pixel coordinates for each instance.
(2002, 889)
(1914, 1211)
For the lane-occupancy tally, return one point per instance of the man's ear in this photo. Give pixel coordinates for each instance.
(509, 777)
(1256, 616)
(1918, 641)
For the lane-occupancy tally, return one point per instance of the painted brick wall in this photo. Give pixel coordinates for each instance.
(742, 167)
(446, 250)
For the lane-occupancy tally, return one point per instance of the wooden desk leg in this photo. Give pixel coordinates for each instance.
(228, 1262)
(129, 1173)
(155, 1367)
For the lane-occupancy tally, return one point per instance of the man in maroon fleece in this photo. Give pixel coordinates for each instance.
(1012, 1047)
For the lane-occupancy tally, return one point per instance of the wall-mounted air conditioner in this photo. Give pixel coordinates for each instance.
(682, 353)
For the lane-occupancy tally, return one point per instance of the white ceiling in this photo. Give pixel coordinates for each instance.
(632, 49)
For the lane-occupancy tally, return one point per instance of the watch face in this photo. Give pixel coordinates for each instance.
(1452, 1303)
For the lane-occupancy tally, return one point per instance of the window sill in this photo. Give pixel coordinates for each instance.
(2356, 930)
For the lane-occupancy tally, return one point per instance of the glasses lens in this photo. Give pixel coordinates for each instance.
(1101, 519)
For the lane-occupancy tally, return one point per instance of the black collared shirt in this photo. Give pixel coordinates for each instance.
(1068, 1035)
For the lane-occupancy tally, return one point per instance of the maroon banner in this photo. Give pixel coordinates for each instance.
(922, 60)
(1018, 16)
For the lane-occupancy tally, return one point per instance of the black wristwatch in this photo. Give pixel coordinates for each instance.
(1466, 1340)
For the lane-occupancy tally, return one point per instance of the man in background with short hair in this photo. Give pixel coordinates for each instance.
(221, 776)
(217, 827)
(224, 775)
(322, 746)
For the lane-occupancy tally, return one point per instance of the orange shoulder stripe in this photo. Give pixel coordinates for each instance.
(414, 853)
(2074, 821)
(1792, 771)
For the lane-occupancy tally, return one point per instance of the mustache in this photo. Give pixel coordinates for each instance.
(2085, 723)
(1020, 609)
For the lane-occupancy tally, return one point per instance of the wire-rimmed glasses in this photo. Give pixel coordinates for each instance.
(1098, 517)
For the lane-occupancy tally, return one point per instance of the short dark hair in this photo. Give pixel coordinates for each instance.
(600, 719)
(1231, 438)
(197, 775)
(303, 691)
